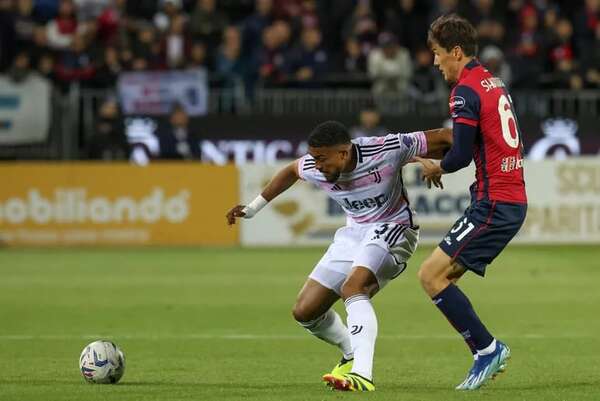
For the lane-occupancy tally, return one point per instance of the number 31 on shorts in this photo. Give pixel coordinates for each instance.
(463, 227)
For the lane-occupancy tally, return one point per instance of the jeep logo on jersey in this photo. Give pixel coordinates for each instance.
(456, 102)
(367, 203)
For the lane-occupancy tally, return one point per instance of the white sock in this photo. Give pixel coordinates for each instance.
(362, 326)
(488, 350)
(330, 328)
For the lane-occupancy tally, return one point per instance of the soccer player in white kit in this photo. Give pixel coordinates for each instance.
(364, 176)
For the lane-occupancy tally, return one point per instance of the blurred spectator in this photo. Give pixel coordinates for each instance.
(493, 59)
(362, 25)
(369, 124)
(39, 43)
(408, 23)
(333, 16)
(45, 66)
(478, 11)
(353, 60)
(591, 61)
(140, 64)
(207, 24)
(111, 23)
(75, 64)
(197, 59)
(176, 139)
(275, 45)
(254, 25)
(145, 49)
(561, 47)
(550, 19)
(88, 10)
(544, 43)
(21, 68)
(426, 84)
(64, 27)
(587, 20)
(283, 31)
(564, 70)
(308, 62)
(229, 66)
(168, 10)
(108, 142)
(109, 69)
(528, 39)
(175, 46)
(490, 32)
(304, 16)
(528, 49)
(389, 66)
(308, 14)
(297, 10)
(24, 23)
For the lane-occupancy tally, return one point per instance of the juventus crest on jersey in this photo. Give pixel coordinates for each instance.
(373, 192)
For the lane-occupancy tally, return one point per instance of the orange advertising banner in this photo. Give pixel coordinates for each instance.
(47, 204)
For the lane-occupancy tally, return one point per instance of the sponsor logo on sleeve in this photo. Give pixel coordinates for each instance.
(408, 140)
(457, 102)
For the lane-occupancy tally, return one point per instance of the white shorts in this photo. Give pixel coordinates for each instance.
(383, 248)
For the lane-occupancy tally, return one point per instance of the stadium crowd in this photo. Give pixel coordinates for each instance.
(297, 43)
(308, 44)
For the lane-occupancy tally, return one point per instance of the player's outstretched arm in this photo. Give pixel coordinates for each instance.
(439, 141)
(285, 178)
(458, 157)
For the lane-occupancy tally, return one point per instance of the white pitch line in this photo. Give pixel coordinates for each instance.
(259, 337)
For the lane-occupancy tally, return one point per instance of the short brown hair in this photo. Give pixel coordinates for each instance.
(450, 31)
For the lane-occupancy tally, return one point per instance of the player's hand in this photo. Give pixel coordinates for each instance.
(236, 212)
(432, 172)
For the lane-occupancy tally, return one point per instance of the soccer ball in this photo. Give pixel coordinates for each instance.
(102, 362)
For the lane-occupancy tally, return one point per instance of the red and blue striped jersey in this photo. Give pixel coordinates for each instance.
(482, 101)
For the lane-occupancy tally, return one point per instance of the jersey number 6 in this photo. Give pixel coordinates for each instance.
(506, 115)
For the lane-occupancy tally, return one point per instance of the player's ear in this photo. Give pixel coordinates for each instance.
(346, 152)
(457, 52)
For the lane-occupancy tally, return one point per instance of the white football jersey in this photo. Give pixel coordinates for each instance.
(373, 192)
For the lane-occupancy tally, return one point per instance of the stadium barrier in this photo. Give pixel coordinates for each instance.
(564, 205)
(74, 114)
(48, 204)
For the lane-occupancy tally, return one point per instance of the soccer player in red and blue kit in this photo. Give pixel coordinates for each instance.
(485, 130)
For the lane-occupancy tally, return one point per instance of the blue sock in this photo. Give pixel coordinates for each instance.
(457, 308)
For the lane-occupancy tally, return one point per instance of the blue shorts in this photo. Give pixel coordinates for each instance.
(482, 232)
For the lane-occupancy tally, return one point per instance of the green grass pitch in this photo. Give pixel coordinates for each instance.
(215, 324)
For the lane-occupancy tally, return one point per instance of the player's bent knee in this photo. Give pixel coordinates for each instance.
(302, 313)
(425, 272)
(429, 277)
